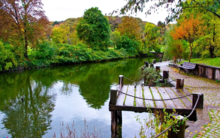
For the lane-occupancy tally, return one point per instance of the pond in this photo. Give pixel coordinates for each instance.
(35, 103)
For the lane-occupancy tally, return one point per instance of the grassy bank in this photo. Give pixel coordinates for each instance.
(49, 54)
(206, 61)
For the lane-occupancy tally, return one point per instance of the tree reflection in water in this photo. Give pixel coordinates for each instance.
(29, 118)
(32, 117)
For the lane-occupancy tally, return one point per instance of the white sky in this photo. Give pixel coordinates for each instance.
(58, 10)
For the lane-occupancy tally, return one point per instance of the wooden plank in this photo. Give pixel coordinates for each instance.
(184, 91)
(129, 99)
(156, 95)
(163, 93)
(139, 102)
(187, 103)
(177, 102)
(148, 95)
(121, 96)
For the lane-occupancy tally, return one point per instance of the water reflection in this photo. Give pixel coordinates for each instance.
(26, 105)
(45, 91)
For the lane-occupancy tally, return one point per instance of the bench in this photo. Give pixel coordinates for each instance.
(188, 67)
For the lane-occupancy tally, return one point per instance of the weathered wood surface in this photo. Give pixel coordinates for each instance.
(156, 95)
(139, 102)
(130, 103)
(148, 95)
(185, 100)
(217, 74)
(163, 93)
(177, 102)
(121, 96)
(209, 73)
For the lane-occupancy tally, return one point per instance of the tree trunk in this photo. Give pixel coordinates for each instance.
(190, 54)
(211, 51)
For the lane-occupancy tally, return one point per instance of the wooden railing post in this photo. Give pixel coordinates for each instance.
(121, 81)
(113, 96)
(158, 68)
(179, 83)
(200, 102)
(180, 128)
(146, 64)
(165, 74)
(152, 65)
(114, 124)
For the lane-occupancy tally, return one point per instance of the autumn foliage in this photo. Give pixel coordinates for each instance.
(23, 21)
(189, 30)
(130, 28)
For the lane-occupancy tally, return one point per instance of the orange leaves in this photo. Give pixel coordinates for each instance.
(189, 29)
(129, 27)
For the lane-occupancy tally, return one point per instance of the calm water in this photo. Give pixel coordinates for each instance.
(64, 94)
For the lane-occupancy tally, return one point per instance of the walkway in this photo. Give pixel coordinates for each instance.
(211, 91)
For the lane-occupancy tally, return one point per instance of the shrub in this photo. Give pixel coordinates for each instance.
(7, 57)
(44, 51)
(130, 45)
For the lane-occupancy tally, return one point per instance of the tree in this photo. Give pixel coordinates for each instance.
(151, 36)
(94, 29)
(115, 37)
(189, 30)
(210, 41)
(23, 20)
(174, 48)
(174, 7)
(130, 27)
(59, 34)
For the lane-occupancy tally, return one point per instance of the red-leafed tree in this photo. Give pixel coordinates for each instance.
(24, 21)
(189, 30)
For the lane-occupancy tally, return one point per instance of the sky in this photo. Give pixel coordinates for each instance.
(60, 10)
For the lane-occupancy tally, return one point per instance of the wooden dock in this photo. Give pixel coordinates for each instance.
(150, 99)
(130, 98)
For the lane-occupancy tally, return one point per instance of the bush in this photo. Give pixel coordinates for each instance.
(7, 57)
(130, 45)
(44, 51)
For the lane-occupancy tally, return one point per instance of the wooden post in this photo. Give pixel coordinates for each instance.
(158, 68)
(119, 124)
(200, 102)
(165, 74)
(152, 65)
(160, 59)
(154, 61)
(181, 128)
(146, 64)
(113, 96)
(121, 81)
(179, 83)
(120, 117)
(114, 124)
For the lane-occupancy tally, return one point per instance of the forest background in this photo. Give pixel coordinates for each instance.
(29, 40)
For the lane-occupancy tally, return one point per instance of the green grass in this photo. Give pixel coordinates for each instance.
(206, 61)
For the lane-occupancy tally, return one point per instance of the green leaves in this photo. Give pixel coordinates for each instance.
(7, 57)
(94, 29)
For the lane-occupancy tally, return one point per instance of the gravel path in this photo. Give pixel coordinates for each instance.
(211, 91)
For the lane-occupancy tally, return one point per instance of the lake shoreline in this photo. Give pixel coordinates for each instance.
(45, 65)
